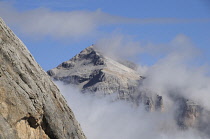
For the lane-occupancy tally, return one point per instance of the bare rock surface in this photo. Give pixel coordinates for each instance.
(94, 72)
(31, 106)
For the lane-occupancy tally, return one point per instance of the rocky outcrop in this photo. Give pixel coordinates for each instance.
(188, 113)
(192, 115)
(31, 106)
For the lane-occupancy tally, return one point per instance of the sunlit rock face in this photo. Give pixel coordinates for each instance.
(31, 106)
(92, 71)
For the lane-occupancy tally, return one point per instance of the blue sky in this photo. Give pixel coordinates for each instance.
(54, 31)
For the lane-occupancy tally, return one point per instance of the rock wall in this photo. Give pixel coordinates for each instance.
(31, 106)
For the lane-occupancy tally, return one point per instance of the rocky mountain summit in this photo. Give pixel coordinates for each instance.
(31, 106)
(93, 72)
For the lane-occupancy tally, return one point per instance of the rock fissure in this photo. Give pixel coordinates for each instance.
(47, 129)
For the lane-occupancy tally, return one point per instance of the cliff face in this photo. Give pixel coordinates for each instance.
(31, 106)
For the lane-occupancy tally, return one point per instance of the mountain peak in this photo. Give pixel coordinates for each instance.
(89, 64)
(92, 71)
(89, 49)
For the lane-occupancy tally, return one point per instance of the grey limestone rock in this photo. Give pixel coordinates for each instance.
(31, 106)
(92, 71)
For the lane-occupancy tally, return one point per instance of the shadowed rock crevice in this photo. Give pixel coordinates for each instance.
(47, 129)
(32, 121)
(96, 77)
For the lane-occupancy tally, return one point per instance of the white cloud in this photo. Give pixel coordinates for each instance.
(46, 22)
(101, 118)
(178, 73)
(124, 46)
(177, 68)
(118, 45)
(71, 24)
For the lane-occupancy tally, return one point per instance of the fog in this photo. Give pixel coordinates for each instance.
(102, 118)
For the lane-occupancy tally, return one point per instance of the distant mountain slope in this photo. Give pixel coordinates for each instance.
(31, 106)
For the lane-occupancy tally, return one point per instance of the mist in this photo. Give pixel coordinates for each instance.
(101, 117)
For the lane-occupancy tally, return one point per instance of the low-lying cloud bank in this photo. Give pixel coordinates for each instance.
(102, 118)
